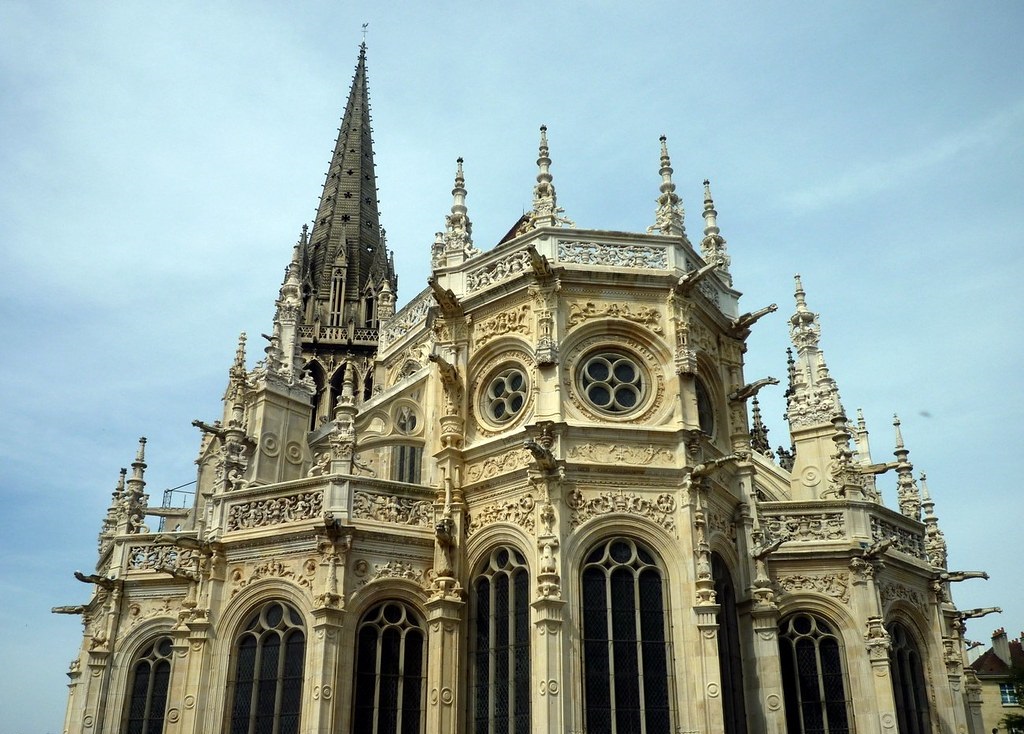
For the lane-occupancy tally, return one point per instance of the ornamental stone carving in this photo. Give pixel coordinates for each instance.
(261, 513)
(660, 509)
(392, 509)
(512, 321)
(394, 570)
(402, 322)
(805, 527)
(836, 585)
(902, 540)
(506, 267)
(813, 406)
(492, 466)
(644, 315)
(721, 523)
(159, 557)
(609, 453)
(890, 593)
(519, 512)
(608, 255)
(242, 577)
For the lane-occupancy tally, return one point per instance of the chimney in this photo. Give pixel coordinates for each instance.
(1000, 645)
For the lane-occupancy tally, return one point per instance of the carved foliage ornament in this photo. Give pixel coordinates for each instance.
(243, 576)
(519, 512)
(903, 540)
(492, 466)
(609, 453)
(660, 509)
(512, 321)
(836, 585)
(506, 267)
(608, 255)
(261, 513)
(160, 556)
(805, 526)
(645, 315)
(392, 509)
(402, 322)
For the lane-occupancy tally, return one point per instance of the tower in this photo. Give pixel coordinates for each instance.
(529, 500)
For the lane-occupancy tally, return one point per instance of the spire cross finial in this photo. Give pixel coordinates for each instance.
(364, 35)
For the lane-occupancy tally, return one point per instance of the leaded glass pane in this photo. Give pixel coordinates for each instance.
(389, 672)
(813, 678)
(625, 655)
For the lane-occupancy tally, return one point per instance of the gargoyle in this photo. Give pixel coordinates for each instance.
(759, 553)
(541, 454)
(876, 549)
(748, 391)
(961, 575)
(541, 266)
(102, 581)
(977, 612)
(689, 281)
(747, 320)
(70, 609)
(214, 429)
(445, 297)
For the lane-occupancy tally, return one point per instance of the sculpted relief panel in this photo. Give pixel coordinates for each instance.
(519, 512)
(608, 255)
(661, 509)
(610, 453)
(392, 509)
(261, 513)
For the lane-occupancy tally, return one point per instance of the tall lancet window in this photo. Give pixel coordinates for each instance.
(730, 656)
(499, 634)
(390, 670)
(625, 645)
(266, 688)
(147, 697)
(813, 681)
(336, 310)
(369, 309)
(908, 682)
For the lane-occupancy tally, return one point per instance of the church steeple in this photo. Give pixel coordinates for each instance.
(342, 250)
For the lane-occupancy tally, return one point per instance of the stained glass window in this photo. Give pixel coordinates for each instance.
(625, 645)
(812, 676)
(908, 682)
(147, 698)
(267, 684)
(500, 645)
(390, 671)
(730, 657)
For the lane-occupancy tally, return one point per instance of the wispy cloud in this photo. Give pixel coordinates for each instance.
(871, 178)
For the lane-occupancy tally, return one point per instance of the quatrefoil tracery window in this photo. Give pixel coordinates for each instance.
(505, 395)
(612, 381)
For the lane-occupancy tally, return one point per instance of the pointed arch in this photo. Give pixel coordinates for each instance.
(814, 681)
(730, 653)
(909, 684)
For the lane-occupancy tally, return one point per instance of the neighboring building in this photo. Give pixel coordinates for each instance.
(993, 668)
(530, 500)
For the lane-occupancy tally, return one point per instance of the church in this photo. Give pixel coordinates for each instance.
(538, 497)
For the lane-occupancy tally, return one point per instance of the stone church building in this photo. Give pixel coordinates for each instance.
(538, 497)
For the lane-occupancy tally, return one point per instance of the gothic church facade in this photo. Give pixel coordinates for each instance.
(537, 498)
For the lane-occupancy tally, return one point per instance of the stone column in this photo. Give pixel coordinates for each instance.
(711, 701)
(444, 705)
(323, 649)
(547, 671)
(765, 698)
(189, 694)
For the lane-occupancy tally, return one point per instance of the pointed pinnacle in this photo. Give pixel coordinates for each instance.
(899, 433)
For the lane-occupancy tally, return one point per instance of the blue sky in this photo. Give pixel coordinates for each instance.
(158, 161)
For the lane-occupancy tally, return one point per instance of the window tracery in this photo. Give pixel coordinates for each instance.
(266, 686)
(813, 679)
(625, 644)
(147, 691)
(909, 686)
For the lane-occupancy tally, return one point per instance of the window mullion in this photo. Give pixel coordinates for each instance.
(609, 626)
(254, 685)
(376, 678)
(400, 688)
(492, 655)
(638, 650)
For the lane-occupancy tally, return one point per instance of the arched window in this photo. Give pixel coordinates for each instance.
(266, 691)
(908, 682)
(625, 646)
(147, 697)
(730, 657)
(812, 676)
(500, 646)
(390, 669)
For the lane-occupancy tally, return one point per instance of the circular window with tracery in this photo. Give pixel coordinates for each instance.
(612, 381)
(505, 395)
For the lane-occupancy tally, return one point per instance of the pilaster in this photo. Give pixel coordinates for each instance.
(549, 699)
(444, 705)
(710, 699)
(324, 650)
(764, 695)
(189, 694)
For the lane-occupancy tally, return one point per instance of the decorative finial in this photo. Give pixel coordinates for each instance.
(455, 244)
(362, 46)
(814, 397)
(668, 217)
(759, 431)
(899, 433)
(906, 488)
(546, 212)
(712, 246)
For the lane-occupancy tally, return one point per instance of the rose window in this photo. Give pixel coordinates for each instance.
(505, 395)
(612, 382)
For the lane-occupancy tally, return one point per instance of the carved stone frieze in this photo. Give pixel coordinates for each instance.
(902, 540)
(140, 611)
(402, 322)
(159, 556)
(720, 522)
(805, 526)
(890, 593)
(519, 512)
(609, 453)
(836, 585)
(609, 255)
(512, 321)
(660, 509)
(389, 570)
(392, 509)
(242, 576)
(644, 315)
(492, 466)
(506, 267)
(261, 513)
(813, 406)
